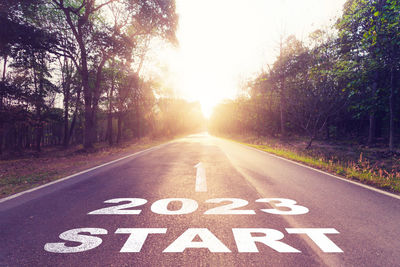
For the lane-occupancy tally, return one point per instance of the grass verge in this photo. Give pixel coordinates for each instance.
(376, 172)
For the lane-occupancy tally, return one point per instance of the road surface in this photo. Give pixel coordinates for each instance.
(201, 201)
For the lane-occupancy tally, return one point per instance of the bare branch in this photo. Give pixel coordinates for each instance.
(102, 5)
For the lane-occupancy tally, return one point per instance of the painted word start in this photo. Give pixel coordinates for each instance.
(245, 238)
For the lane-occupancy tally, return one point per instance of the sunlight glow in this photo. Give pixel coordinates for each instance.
(224, 42)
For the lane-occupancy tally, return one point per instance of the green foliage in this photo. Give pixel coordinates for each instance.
(69, 47)
(341, 81)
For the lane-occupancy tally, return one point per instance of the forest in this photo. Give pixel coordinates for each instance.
(341, 83)
(71, 74)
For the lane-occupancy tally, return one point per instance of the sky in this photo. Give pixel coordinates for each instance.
(222, 43)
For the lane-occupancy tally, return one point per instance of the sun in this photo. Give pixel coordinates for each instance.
(223, 43)
(207, 107)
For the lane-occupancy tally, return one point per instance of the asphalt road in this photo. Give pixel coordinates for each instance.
(280, 214)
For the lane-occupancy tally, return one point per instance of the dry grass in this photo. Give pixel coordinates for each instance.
(19, 173)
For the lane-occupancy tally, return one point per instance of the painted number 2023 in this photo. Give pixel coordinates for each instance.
(229, 206)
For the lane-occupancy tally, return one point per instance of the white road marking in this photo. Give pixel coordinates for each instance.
(137, 237)
(187, 206)
(244, 239)
(201, 181)
(318, 236)
(246, 242)
(286, 203)
(208, 240)
(121, 209)
(230, 208)
(87, 242)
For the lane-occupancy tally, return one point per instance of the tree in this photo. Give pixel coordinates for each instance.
(33, 64)
(97, 42)
(70, 87)
(383, 37)
(320, 90)
(282, 69)
(369, 33)
(28, 46)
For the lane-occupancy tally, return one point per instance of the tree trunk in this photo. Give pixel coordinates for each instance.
(283, 119)
(391, 106)
(1, 106)
(39, 123)
(327, 132)
(137, 115)
(372, 119)
(73, 122)
(110, 107)
(119, 134)
(38, 78)
(66, 92)
(66, 119)
(282, 109)
(310, 142)
(72, 127)
(95, 132)
(96, 96)
(109, 128)
(89, 126)
(28, 137)
(282, 92)
(20, 137)
(371, 131)
(39, 135)
(1, 129)
(87, 92)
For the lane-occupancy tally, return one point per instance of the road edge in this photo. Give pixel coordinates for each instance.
(318, 170)
(2, 200)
